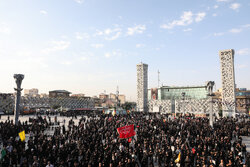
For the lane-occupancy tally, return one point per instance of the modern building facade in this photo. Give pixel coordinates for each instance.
(193, 99)
(228, 82)
(142, 87)
(61, 99)
(188, 99)
(174, 92)
(172, 100)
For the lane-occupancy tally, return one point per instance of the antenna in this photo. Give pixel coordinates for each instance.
(158, 78)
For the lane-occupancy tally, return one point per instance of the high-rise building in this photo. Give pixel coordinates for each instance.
(142, 87)
(228, 82)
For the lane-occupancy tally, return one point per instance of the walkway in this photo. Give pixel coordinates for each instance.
(246, 140)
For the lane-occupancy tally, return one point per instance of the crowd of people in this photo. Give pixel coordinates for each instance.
(94, 142)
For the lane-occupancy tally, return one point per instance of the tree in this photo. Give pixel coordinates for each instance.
(129, 105)
(56, 106)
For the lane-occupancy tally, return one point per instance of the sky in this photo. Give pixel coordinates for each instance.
(93, 46)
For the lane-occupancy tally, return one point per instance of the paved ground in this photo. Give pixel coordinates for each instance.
(246, 140)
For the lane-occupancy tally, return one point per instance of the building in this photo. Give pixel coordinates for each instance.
(57, 98)
(103, 96)
(122, 99)
(185, 99)
(44, 95)
(193, 99)
(109, 103)
(172, 100)
(174, 92)
(78, 95)
(142, 87)
(6, 102)
(228, 82)
(242, 99)
(59, 93)
(31, 92)
(97, 101)
(112, 96)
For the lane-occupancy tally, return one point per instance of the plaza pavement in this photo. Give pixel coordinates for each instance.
(246, 140)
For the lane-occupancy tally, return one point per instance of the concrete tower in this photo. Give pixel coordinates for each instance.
(142, 87)
(228, 82)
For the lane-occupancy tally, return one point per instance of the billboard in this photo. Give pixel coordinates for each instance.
(154, 93)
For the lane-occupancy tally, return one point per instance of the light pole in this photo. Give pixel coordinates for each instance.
(210, 85)
(18, 78)
(183, 98)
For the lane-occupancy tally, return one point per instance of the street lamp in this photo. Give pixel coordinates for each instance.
(210, 85)
(18, 78)
(183, 98)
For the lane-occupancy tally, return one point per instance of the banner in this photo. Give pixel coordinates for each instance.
(126, 131)
(22, 136)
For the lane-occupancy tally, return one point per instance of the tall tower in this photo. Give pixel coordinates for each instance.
(228, 82)
(142, 87)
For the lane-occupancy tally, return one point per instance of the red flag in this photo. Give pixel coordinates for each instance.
(193, 150)
(126, 131)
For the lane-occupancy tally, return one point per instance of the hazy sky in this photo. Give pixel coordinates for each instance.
(88, 46)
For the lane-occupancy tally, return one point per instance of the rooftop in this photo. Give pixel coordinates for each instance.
(60, 91)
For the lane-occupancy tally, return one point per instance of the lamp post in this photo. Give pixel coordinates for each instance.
(18, 78)
(210, 85)
(183, 98)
